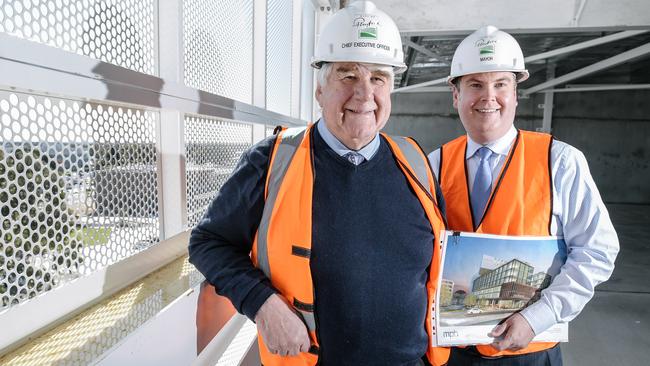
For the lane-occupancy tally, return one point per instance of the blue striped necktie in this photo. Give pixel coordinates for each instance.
(482, 184)
(355, 158)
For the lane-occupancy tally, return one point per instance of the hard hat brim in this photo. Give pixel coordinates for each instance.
(398, 68)
(522, 75)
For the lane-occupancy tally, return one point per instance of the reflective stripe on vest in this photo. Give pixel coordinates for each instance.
(521, 200)
(282, 245)
(282, 155)
(413, 155)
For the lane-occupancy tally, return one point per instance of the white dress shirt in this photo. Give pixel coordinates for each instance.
(579, 215)
(335, 144)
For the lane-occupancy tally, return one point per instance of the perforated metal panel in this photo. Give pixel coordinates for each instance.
(279, 63)
(218, 47)
(268, 131)
(212, 149)
(78, 190)
(120, 32)
(239, 345)
(92, 334)
(195, 278)
(125, 314)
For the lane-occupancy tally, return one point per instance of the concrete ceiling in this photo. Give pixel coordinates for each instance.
(431, 30)
(424, 17)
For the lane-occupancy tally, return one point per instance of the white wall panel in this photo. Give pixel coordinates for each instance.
(279, 60)
(218, 47)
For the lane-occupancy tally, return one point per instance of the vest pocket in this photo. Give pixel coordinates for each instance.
(300, 252)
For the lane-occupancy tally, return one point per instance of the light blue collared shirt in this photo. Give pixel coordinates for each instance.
(367, 151)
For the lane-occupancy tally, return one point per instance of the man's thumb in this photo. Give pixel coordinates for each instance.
(498, 330)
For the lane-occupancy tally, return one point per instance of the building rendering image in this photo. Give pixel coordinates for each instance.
(509, 286)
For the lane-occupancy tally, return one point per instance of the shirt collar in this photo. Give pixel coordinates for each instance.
(367, 151)
(499, 146)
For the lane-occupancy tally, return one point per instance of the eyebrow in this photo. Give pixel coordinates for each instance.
(343, 69)
(495, 81)
(503, 79)
(380, 73)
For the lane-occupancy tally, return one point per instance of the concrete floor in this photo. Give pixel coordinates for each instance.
(614, 327)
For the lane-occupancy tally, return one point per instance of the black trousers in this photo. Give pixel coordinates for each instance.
(469, 356)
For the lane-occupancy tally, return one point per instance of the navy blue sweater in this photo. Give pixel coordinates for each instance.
(372, 246)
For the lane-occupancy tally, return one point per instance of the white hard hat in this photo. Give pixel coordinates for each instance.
(360, 33)
(487, 50)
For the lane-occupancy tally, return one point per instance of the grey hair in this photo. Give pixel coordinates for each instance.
(326, 69)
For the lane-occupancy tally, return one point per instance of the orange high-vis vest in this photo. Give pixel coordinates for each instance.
(282, 244)
(520, 203)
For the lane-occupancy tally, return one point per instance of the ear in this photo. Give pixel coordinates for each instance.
(318, 93)
(456, 94)
(516, 84)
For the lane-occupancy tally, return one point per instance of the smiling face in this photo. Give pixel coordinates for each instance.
(355, 101)
(486, 104)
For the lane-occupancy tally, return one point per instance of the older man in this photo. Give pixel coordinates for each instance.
(342, 221)
(500, 180)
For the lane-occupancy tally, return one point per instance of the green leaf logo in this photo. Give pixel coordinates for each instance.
(487, 50)
(368, 33)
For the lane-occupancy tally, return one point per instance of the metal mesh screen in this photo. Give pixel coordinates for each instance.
(212, 149)
(218, 47)
(120, 32)
(268, 130)
(239, 346)
(127, 313)
(279, 63)
(195, 278)
(91, 335)
(78, 190)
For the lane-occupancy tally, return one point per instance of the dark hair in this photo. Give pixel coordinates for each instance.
(456, 80)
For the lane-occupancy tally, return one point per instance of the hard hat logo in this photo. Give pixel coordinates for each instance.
(368, 33)
(487, 50)
(483, 42)
(367, 26)
(362, 21)
(486, 46)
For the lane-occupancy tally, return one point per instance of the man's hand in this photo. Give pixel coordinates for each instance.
(282, 330)
(513, 334)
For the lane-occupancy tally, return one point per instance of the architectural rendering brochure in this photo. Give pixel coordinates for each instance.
(487, 278)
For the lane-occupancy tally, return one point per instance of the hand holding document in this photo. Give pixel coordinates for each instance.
(513, 334)
(488, 278)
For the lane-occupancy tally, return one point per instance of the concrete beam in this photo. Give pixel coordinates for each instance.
(603, 87)
(409, 59)
(428, 89)
(582, 45)
(426, 83)
(598, 66)
(438, 17)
